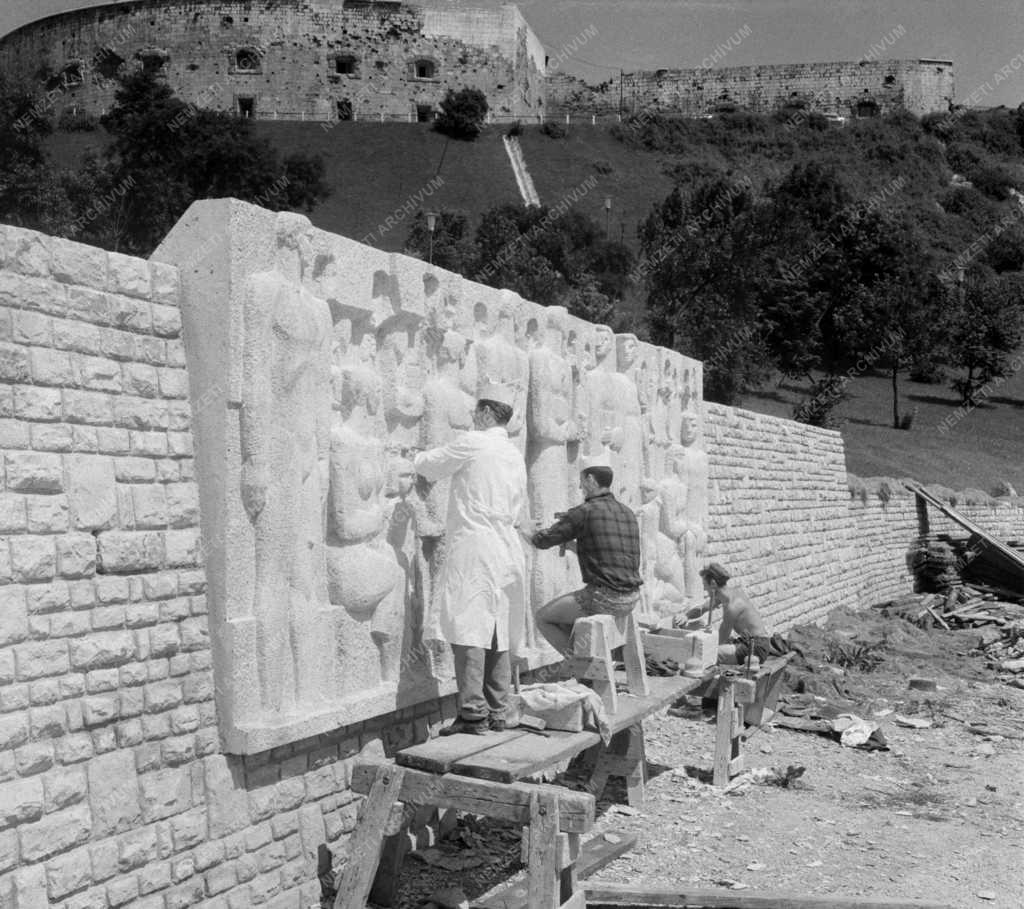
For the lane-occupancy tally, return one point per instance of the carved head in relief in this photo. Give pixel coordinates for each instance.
(627, 347)
(689, 428)
(604, 343)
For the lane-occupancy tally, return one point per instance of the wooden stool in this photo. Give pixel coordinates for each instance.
(593, 640)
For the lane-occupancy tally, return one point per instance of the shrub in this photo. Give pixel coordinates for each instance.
(516, 129)
(603, 166)
(994, 180)
(554, 130)
(463, 113)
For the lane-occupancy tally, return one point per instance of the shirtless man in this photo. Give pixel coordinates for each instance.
(739, 617)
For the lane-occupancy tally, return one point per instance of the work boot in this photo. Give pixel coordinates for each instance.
(500, 724)
(469, 727)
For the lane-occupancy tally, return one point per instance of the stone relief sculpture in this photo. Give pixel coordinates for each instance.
(332, 364)
(627, 394)
(284, 422)
(549, 427)
(694, 462)
(364, 577)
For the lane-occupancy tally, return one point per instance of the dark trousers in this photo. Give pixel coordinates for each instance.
(484, 678)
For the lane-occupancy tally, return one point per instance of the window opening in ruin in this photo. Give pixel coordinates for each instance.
(890, 80)
(152, 62)
(247, 108)
(381, 65)
(424, 113)
(346, 65)
(867, 109)
(227, 21)
(108, 63)
(424, 69)
(344, 109)
(247, 61)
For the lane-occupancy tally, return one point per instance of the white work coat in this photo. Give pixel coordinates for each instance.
(481, 586)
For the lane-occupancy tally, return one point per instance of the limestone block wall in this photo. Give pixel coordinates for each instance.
(805, 537)
(779, 515)
(864, 88)
(310, 59)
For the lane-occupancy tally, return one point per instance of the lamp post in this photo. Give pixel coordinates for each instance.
(431, 224)
(607, 217)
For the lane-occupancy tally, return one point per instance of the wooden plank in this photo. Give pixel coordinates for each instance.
(509, 801)
(543, 879)
(723, 734)
(623, 895)
(633, 657)
(438, 755)
(385, 883)
(365, 845)
(525, 757)
(595, 854)
(568, 874)
(579, 901)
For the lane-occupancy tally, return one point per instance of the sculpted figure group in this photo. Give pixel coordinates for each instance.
(343, 381)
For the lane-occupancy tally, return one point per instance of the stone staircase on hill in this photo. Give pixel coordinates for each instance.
(527, 191)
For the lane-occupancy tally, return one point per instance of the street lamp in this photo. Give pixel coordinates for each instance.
(607, 216)
(431, 224)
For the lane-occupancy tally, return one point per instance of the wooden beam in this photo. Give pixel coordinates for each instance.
(621, 895)
(509, 801)
(543, 880)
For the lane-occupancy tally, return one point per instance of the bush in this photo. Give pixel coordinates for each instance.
(463, 113)
(994, 180)
(554, 130)
(603, 166)
(516, 129)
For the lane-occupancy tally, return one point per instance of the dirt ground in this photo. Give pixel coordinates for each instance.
(938, 816)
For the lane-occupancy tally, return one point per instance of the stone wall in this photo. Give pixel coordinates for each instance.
(803, 536)
(851, 89)
(113, 787)
(295, 59)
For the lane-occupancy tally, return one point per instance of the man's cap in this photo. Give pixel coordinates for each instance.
(495, 391)
(601, 459)
(715, 572)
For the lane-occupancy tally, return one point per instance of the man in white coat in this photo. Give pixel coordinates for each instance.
(480, 601)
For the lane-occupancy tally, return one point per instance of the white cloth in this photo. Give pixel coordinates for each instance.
(481, 587)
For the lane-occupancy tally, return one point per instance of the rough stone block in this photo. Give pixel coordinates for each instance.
(77, 263)
(76, 555)
(37, 404)
(64, 787)
(32, 559)
(90, 407)
(128, 275)
(149, 506)
(12, 513)
(125, 551)
(35, 472)
(148, 444)
(182, 504)
(138, 848)
(29, 888)
(55, 833)
(98, 711)
(68, 873)
(183, 547)
(13, 615)
(174, 383)
(31, 254)
(38, 659)
(102, 650)
(14, 434)
(98, 373)
(9, 852)
(52, 437)
(23, 802)
(166, 321)
(32, 329)
(122, 891)
(165, 793)
(14, 364)
(52, 367)
(47, 514)
(78, 336)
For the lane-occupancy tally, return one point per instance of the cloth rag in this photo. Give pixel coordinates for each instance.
(551, 696)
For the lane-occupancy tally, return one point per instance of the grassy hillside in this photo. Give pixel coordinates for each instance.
(376, 169)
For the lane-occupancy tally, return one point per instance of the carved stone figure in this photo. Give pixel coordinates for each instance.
(364, 576)
(695, 462)
(605, 410)
(500, 360)
(549, 428)
(284, 438)
(631, 455)
(401, 365)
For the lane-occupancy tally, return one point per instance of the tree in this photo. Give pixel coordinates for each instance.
(700, 259)
(986, 330)
(170, 154)
(463, 113)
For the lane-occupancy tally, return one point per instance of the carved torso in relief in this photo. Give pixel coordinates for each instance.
(499, 359)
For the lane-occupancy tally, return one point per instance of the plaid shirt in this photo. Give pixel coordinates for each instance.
(607, 541)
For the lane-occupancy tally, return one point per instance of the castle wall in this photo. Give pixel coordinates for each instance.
(850, 89)
(290, 51)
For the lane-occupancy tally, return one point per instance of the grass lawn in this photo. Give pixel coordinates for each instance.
(980, 449)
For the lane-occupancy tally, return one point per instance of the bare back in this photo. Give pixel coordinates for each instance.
(739, 615)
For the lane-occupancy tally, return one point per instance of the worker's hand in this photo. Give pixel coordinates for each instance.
(694, 612)
(527, 535)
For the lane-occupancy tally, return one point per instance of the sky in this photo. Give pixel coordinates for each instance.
(985, 40)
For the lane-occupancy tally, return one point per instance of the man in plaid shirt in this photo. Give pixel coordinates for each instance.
(608, 547)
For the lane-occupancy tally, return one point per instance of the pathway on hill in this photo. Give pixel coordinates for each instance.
(523, 179)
